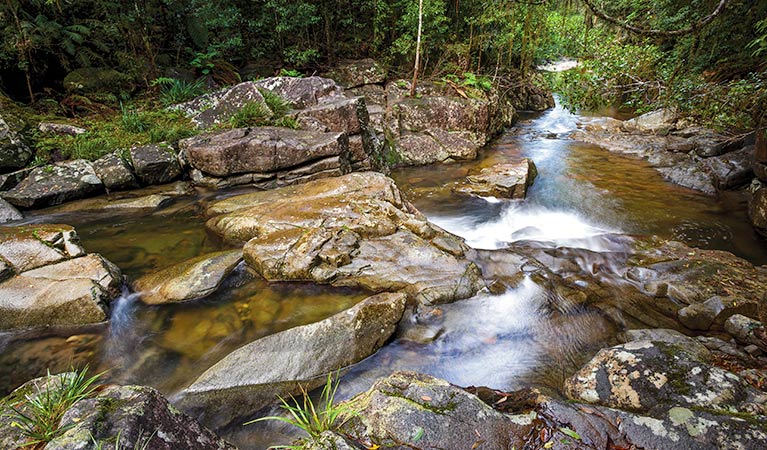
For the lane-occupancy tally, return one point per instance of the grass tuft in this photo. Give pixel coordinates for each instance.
(173, 91)
(312, 419)
(252, 114)
(38, 415)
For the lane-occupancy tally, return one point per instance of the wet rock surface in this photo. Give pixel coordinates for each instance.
(502, 180)
(684, 154)
(247, 379)
(196, 278)
(49, 280)
(354, 230)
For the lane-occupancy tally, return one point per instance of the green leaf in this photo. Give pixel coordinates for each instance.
(570, 433)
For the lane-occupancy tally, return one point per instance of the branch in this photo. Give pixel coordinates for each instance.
(691, 29)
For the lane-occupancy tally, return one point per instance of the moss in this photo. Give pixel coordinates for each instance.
(750, 418)
(442, 411)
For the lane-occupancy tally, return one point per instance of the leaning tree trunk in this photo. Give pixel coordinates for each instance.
(417, 48)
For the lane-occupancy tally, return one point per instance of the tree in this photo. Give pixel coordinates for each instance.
(417, 48)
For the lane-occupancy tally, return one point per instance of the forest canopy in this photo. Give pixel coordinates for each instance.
(231, 40)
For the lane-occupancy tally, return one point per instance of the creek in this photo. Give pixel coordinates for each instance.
(582, 198)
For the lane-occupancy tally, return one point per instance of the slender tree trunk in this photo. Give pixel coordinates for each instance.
(417, 48)
(760, 152)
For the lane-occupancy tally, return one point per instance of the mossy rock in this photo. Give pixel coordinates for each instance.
(93, 80)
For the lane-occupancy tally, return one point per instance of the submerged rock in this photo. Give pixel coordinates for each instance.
(136, 416)
(196, 278)
(55, 184)
(502, 180)
(249, 379)
(354, 230)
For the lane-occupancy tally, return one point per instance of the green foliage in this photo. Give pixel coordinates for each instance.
(291, 73)
(174, 91)
(252, 114)
(119, 132)
(38, 415)
(277, 104)
(477, 82)
(132, 121)
(142, 443)
(310, 418)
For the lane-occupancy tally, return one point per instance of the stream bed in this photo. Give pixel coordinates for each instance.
(583, 195)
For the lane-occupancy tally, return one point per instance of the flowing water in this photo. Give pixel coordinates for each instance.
(582, 198)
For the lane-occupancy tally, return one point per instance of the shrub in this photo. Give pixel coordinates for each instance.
(173, 91)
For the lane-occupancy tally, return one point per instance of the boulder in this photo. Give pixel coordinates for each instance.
(417, 411)
(671, 337)
(731, 169)
(93, 80)
(262, 150)
(214, 108)
(660, 121)
(62, 129)
(502, 180)
(55, 184)
(301, 92)
(155, 164)
(8, 213)
(48, 280)
(443, 112)
(248, 378)
(416, 149)
(135, 416)
(28, 247)
(715, 311)
(338, 115)
(14, 152)
(351, 74)
(114, 173)
(196, 278)
(354, 230)
(745, 330)
(73, 292)
(757, 207)
(651, 376)
(11, 179)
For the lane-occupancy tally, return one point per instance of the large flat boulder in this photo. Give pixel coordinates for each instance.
(196, 278)
(47, 279)
(55, 184)
(261, 150)
(354, 230)
(253, 376)
(73, 292)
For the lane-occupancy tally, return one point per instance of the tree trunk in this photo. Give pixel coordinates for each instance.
(760, 152)
(417, 48)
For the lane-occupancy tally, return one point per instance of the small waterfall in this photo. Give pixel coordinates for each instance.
(522, 222)
(122, 325)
